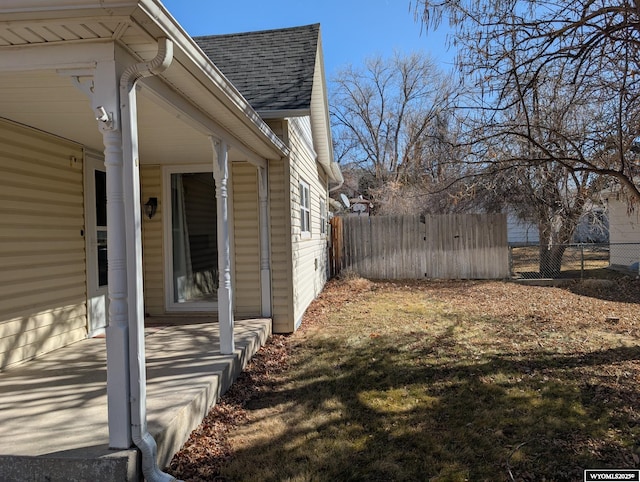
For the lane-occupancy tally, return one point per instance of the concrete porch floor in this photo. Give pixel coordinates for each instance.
(53, 410)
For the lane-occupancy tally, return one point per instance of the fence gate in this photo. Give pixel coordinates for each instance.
(457, 246)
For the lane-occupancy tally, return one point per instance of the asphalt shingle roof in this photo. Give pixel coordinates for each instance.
(272, 69)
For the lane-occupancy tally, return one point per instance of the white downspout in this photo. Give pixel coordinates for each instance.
(265, 259)
(131, 181)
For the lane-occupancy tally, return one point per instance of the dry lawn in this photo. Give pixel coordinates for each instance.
(435, 381)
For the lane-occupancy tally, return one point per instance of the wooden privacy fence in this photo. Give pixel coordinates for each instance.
(455, 246)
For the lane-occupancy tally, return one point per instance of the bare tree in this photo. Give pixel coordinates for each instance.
(507, 46)
(555, 111)
(390, 121)
(534, 150)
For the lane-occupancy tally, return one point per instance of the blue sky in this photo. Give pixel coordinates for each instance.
(352, 30)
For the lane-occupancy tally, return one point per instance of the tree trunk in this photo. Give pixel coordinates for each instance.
(551, 260)
(556, 232)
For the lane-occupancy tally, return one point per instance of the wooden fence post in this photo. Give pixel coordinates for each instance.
(336, 247)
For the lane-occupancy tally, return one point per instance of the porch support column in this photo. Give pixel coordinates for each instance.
(105, 102)
(265, 258)
(117, 329)
(225, 294)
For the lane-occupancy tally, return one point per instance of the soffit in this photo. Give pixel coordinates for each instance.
(49, 102)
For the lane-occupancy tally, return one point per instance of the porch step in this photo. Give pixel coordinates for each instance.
(88, 466)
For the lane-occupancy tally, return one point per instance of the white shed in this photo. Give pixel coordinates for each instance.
(624, 232)
(521, 232)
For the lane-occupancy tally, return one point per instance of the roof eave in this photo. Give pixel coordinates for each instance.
(320, 119)
(47, 7)
(157, 22)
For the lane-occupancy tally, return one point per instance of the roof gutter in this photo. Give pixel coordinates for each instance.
(283, 113)
(131, 180)
(337, 176)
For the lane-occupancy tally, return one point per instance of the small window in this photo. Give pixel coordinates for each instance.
(305, 208)
(323, 217)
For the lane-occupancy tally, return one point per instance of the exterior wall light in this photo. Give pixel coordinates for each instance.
(151, 206)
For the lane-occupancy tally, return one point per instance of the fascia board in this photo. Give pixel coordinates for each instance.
(43, 9)
(284, 113)
(57, 56)
(320, 119)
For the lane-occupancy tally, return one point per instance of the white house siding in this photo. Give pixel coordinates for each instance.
(309, 252)
(42, 251)
(624, 233)
(246, 241)
(521, 232)
(152, 248)
(280, 232)
(246, 236)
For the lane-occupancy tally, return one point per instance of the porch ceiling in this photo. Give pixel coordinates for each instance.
(51, 103)
(202, 103)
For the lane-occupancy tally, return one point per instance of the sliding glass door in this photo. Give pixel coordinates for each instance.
(193, 280)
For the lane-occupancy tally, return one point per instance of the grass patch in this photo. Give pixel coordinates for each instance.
(448, 381)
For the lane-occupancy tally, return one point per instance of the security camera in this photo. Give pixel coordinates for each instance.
(101, 114)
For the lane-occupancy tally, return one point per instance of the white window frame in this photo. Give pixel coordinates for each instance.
(323, 217)
(170, 305)
(305, 209)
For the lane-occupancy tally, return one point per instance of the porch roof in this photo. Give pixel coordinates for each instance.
(46, 43)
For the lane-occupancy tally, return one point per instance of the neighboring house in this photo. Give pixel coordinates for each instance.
(521, 232)
(624, 232)
(593, 227)
(141, 176)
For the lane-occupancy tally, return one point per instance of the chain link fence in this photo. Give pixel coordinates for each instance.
(583, 260)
